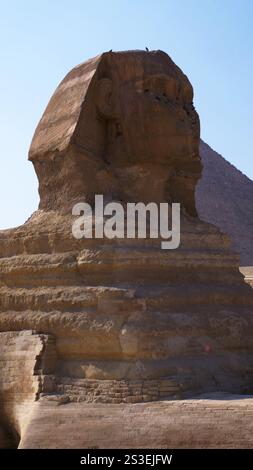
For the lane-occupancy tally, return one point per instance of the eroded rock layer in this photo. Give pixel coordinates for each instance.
(131, 322)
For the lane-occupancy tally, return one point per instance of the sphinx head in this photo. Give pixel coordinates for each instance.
(123, 125)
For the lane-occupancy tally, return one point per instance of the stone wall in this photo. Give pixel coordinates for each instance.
(119, 391)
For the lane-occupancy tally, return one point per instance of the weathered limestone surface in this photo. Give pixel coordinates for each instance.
(127, 322)
(213, 421)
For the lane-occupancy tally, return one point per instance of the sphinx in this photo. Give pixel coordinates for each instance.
(119, 320)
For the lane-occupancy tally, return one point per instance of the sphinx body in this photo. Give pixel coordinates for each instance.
(119, 321)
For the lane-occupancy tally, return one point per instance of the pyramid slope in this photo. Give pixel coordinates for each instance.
(224, 197)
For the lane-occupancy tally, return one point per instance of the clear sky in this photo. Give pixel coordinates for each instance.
(40, 41)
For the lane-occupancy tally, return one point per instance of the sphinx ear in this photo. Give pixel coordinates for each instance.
(104, 98)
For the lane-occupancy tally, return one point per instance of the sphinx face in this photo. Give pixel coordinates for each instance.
(162, 124)
(159, 124)
(154, 130)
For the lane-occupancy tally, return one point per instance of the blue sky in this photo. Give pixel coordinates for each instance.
(211, 40)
